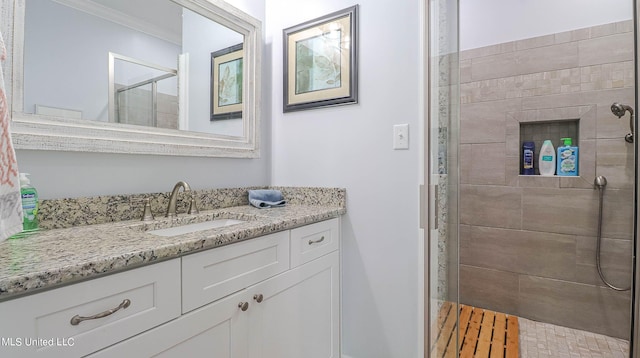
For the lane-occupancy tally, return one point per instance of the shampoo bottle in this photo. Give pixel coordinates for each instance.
(29, 197)
(528, 152)
(547, 159)
(567, 159)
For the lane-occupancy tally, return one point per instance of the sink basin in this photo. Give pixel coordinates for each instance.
(187, 229)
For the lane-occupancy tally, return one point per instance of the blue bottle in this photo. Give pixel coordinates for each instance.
(567, 162)
(528, 153)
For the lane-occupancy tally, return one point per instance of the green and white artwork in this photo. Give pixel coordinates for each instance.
(318, 62)
(230, 83)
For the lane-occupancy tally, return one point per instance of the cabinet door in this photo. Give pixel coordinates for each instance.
(299, 313)
(217, 330)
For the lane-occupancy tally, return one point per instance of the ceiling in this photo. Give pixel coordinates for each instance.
(161, 14)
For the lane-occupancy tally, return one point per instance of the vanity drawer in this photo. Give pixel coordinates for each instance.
(41, 325)
(315, 240)
(210, 275)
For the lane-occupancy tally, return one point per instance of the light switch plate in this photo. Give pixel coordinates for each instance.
(401, 136)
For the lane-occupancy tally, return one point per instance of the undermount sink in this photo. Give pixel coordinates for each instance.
(187, 229)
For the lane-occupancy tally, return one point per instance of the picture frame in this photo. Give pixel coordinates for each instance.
(226, 83)
(320, 62)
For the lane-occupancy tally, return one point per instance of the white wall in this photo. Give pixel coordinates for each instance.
(66, 57)
(195, 28)
(351, 147)
(66, 174)
(489, 22)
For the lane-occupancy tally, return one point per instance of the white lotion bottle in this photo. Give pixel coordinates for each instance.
(547, 159)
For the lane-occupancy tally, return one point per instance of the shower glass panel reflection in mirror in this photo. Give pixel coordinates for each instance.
(66, 63)
(142, 93)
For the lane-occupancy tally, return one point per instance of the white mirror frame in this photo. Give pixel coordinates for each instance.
(39, 132)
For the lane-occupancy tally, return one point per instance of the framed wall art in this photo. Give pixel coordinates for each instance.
(226, 83)
(320, 62)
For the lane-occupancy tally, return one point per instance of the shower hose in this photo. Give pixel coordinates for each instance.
(601, 183)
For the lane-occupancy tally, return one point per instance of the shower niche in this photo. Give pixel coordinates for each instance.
(539, 131)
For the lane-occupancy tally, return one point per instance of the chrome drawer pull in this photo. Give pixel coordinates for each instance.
(311, 242)
(243, 306)
(258, 297)
(75, 320)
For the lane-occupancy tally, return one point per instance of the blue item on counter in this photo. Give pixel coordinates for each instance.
(266, 198)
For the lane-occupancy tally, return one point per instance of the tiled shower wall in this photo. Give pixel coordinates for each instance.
(527, 244)
(137, 105)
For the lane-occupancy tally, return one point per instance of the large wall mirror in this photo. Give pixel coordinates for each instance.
(169, 77)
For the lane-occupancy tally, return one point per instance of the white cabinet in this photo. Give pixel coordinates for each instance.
(299, 314)
(220, 330)
(294, 314)
(266, 297)
(43, 325)
(312, 241)
(213, 274)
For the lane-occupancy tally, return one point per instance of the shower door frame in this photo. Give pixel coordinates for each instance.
(635, 294)
(429, 191)
(427, 194)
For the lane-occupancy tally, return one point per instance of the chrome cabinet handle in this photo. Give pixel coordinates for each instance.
(75, 320)
(243, 306)
(311, 242)
(258, 297)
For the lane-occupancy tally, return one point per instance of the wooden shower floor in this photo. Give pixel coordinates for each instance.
(483, 333)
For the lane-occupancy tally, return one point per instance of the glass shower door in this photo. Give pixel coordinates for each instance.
(441, 268)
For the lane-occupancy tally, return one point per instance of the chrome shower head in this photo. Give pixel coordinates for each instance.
(620, 109)
(600, 182)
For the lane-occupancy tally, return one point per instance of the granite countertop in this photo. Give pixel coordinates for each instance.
(59, 256)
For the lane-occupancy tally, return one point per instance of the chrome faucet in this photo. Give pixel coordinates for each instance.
(173, 198)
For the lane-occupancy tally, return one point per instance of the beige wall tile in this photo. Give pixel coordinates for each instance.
(465, 71)
(606, 49)
(534, 60)
(534, 42)
(565, 211)
(490, 289)
(537, 181)
(485, 122)
(575, 305)
(615, 161)
(494, 206)
(600, 98)
(487, 164)
(617, 220)
(524, 252)
(574, 35)
(465, 163)
(611, 28)
(615, 258)
(487, 50)
(512, 170)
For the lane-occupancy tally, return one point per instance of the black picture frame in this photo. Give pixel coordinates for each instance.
(321, 62)
(226, 83)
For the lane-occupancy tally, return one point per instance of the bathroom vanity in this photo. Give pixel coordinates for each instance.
(266, 285)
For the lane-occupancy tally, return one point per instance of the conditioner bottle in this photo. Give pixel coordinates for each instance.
(547, 159)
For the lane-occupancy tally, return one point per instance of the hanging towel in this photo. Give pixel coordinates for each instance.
(263, 198)
(10, 201)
